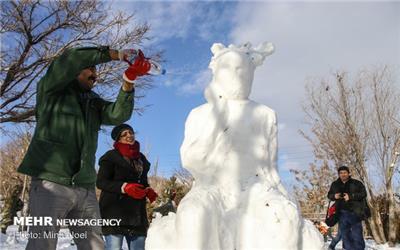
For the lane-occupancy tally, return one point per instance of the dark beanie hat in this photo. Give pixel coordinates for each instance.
(346, 168)
(117, 130)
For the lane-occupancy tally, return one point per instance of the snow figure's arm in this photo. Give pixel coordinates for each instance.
(190, 136)
(274, 151)
(196, 144)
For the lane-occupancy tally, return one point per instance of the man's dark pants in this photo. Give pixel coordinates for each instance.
(351, 228)
(49, 199)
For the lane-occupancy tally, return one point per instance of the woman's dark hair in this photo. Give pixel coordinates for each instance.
(117, 130)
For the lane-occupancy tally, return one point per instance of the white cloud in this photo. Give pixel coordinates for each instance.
(180, 19)
(166, 19)
(292, 165)
(313, 39)
(281, 126)
(295, 158)
(201, 80)
(197, 21)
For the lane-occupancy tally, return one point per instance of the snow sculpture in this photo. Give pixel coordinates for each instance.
(230, 147)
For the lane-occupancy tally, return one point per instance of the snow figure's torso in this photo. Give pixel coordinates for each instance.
(231, 144)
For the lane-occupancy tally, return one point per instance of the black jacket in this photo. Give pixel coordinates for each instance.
(114, 171)
(357, 194)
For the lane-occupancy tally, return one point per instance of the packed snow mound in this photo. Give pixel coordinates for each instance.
(230, 148)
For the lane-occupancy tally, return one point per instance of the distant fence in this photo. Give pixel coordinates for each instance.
(314, 216)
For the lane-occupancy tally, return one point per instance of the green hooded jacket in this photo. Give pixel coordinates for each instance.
(68, 119)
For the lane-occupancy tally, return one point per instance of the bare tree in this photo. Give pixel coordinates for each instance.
(34, 32)
(311, 188)
(11, 155)
(184, 177)
(385, 137)
(353, 123)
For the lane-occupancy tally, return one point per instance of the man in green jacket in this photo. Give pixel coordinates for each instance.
(61, 156)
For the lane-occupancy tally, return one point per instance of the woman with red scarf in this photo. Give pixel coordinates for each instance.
(122, 179)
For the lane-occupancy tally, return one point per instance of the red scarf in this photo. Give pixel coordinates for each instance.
(128, 150)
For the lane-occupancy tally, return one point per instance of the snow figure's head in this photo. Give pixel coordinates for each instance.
(233, 69)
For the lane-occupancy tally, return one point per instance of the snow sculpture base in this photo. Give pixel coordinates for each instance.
(230, 147)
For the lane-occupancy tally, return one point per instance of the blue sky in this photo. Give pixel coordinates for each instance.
(312, 39)
(186, 41)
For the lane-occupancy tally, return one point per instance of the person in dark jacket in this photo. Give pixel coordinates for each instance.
(61, 155)
(122, 179)
(350, 197)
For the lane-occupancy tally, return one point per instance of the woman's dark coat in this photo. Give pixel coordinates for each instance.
(114, 171)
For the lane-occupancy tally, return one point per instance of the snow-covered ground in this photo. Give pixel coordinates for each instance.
(370, 245)
(17, 241)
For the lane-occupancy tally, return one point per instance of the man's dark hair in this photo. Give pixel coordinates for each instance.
(346, 168)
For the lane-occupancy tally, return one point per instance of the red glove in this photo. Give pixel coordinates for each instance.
(139, 67)
(151, 194)
(135, 190)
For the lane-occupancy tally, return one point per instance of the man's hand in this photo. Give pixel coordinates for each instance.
(338, 196)
(113, 54)
(128, 86)
(128, 55)
(139, 68)
(346, 197)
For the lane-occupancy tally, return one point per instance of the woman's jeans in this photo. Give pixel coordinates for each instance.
(114, 242)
